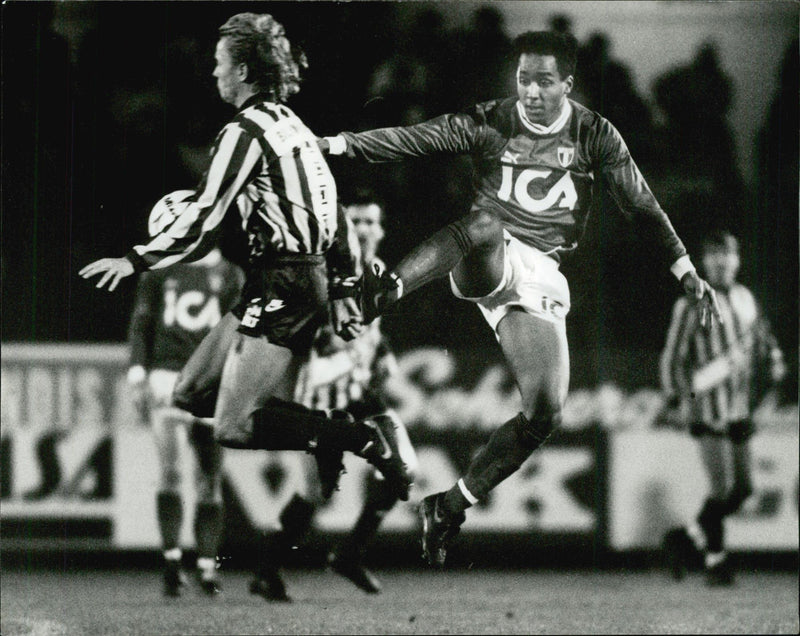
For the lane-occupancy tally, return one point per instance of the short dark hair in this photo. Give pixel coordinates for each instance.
(720, 240)
(363, 196)
(562, 46)
(260, 42)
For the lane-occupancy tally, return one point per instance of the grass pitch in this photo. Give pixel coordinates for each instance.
(413, 602)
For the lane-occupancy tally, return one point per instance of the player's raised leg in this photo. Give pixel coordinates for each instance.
(254, 411)
(477, 238)
(537, 355)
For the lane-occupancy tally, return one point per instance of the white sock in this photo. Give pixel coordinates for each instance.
(174, 554)
(207, 566)
(714, 558)
(472, 499)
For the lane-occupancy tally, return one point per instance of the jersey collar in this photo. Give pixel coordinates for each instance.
(255, 99)
(557, 125)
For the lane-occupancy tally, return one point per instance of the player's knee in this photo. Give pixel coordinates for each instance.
(170, 479)
(479, 230)
(233, 432)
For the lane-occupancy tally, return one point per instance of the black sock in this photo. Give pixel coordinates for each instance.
(169, 508)
(207, 528)
(507, 449)
(274, 548)
(282, 425)
(378, 501)
(710, 520)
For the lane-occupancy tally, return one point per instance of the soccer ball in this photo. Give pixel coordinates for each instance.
(167, 209)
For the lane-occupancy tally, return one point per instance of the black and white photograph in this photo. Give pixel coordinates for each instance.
(399, 317)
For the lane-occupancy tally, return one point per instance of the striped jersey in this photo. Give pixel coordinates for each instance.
(537, 181)
(175, 308)
(266, 168)
(711, 370)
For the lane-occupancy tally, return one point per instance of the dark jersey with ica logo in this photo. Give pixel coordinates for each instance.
(539, 184)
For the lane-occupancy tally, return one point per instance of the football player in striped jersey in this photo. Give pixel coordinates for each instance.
(709, 377)
(174, 309)
(351, 376)
(300, 268)
(535, 158)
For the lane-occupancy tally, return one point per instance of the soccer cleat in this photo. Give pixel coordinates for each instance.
(269, 585)
(351, 568)
(209, 585)
(720, 575)
(173, 578)
(382, 451)
(377, 288)
(438, 529)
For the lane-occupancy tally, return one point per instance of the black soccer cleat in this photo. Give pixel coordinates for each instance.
(351, 568)
(173, 578)
(720, 575)
(269, 585)
(209, 585)
(382, 451)
(438, 529)
(377, 289)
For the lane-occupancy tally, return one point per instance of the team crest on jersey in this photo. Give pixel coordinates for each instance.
(565, 155)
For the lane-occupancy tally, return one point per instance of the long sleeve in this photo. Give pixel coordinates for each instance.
(631, 192)
(451, 133)
(236, 154)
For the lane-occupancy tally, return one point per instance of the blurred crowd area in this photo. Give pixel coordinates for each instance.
(107, 106)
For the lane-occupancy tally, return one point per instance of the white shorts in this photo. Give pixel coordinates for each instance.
(531, 281)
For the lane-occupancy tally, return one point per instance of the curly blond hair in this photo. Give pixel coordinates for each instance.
(260, 42)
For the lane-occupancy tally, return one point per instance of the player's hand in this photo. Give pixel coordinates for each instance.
(346, 318)
(324, 145)
(112, 269)
(702, 294)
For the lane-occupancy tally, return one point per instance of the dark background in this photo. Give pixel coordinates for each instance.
(107, 106)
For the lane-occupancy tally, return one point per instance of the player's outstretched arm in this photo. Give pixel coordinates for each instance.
(702, 294)
(113, 270)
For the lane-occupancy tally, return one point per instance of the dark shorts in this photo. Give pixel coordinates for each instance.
(738, 431)
(286, 301)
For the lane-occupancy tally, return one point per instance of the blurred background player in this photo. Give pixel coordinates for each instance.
(173, 311)
(715, 379)
(346, 376)
(535, 159)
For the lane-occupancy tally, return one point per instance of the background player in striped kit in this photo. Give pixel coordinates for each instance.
(299, 258)
(535, 158)
(712, 377)
(350, 376)
(173, 311)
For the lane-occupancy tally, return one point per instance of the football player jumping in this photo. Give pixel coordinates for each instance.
(535, 159)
